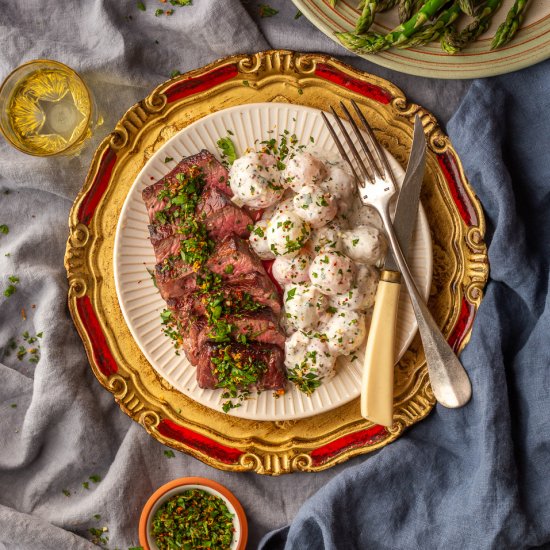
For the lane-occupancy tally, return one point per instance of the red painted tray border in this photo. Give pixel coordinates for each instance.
(100, 349)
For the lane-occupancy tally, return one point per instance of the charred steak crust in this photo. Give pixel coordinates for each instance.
(241, 275)
(273, 378)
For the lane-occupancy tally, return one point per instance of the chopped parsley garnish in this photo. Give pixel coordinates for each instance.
(169, 454)
(95, 478)
(9, 291)
(298, 15)
(290, 294)
(229, 154)
(305, 376)
(141, 6)
(173, 74)
(235, 372)
(181, 2)
(158, 12)
(66, 492)
(4, 229)
(168, 159)
(193, 519)
(267, 11)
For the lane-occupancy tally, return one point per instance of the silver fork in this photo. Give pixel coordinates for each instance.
(449, 381)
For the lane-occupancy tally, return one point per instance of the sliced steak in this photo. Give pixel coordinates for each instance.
(231, 259)
(274, 378)
(165, 240)
(221, 216)
(214, 173)
(259, 326)
(234, 252)
(257, 285)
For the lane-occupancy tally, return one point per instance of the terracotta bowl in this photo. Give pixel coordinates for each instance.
(161, 495)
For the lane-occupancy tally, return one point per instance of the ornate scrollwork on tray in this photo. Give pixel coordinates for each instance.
(273, 448)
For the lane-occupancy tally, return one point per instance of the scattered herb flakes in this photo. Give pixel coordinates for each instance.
(86, 485)
(181, 3)
(13, 405)
(141, 6)
(97, 517)
(7, 254)
(95, 478)
(159, 12)
(174, 73)
(169, 454)
(290, 294)
(300, 91)
(135, 548)
(168, 159)
(246, 83)
(267, 11)
(227, 147)
(98, 535)
(298, 15)
(4, 229)
(66, 492)
(9, 291)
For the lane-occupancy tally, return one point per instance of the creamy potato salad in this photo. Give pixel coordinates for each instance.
(325, 246)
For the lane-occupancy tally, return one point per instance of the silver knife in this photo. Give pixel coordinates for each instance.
(377, 379)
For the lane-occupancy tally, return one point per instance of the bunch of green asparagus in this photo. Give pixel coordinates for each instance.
(424, 21)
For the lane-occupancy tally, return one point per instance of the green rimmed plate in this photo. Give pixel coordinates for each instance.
(530, 45)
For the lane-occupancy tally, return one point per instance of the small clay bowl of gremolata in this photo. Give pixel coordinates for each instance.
(193, 512)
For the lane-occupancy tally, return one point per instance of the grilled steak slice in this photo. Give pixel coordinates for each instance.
(259, 286)
(258, 326)
(165, 240)
(172, 280)
(271, 356)
(221, 216)
(215, 210)
(215, 176)
(232, 251)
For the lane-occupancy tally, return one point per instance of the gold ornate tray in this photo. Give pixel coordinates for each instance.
(311, 444)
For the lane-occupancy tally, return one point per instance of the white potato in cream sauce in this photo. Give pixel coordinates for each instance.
(294, 269)
(304, 305)
(345, 331)
(364, 244)
(255, 180)
(287, 233)
(315, 205)
(258, 240)
(302, 168)
(332, 272)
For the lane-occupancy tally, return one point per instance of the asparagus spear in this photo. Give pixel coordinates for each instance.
(373, 42)
(508, 29)
(468, 6)
(369, 8)
(453, 42)
(405, 9)
(435, 30)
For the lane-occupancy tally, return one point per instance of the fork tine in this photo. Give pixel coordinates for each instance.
(377, 147)
(352, 147)
(372, 162)
(339, 145)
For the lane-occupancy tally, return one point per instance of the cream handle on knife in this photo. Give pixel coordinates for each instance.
(377, 381)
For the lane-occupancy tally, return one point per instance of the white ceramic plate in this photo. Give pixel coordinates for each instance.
(141, 303)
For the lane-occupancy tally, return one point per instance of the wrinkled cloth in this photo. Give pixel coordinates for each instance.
(71, 461)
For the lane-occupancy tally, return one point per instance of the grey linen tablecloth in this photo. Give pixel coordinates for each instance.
(71, 461)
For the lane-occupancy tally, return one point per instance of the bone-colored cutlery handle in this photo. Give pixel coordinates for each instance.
(377, 380)
(449, 380)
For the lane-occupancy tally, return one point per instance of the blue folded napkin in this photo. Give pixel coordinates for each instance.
(478, 477)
